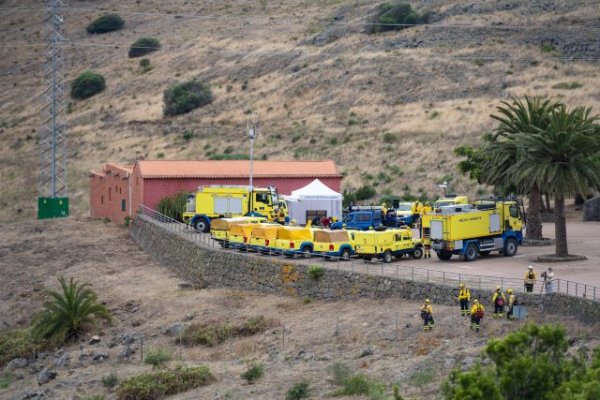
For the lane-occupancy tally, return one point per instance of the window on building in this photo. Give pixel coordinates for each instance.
(101, 199)
(123, 205)
(311, 214)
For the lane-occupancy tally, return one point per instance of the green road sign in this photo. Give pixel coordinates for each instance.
(53, 207)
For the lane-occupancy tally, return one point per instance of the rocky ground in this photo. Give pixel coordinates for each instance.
(381, 338)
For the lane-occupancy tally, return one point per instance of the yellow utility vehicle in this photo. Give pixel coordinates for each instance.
(264, 236)
(295, 240)
(334, 244)
(473, 230)
(210, 202)
(449, 201)
(387, 244)
(219, 229)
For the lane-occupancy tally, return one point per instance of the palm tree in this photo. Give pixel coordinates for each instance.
(562, 159)
(517, 118)
(68, 312)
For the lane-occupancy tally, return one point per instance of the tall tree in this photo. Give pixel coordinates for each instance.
(519, 117)
(562, 159)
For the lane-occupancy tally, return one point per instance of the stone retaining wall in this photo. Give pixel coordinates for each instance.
(207, 267)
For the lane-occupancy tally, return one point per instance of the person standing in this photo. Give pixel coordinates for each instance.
(529, 279)
(427, 316)
(498, 300)
(511, 303)
(477, 313)
(548, 280)
(464, 295)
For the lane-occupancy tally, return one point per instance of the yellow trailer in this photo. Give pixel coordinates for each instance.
(264, 236)
(294, 240)
(219, 229)
(334, 244)
(239, 235)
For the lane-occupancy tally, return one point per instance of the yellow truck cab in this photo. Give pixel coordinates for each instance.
(476, 230)
(219, 229)
(210, 202)
(239, 236)
(387, 244)
(264, 236)
(334, 244)
(294, 240)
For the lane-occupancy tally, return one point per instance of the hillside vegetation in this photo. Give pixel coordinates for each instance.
(388, 107)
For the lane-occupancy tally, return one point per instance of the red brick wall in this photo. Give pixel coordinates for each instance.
(107, 192)
(155, 189)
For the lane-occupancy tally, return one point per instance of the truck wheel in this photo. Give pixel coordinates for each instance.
(418, 253)
(306, 252)
(201, 225)
(444, 255)
(510, 247)
(471, 252)
(345, 255)
(388, 257)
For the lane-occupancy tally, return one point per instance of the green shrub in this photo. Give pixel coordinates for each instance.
(568, 85)
(157, 358)
(17, 343)
(390, 138)
(145, 65)
(106, 23)
(212, 334)
(299, 391)
(6, 378)
(87, 84)
(360, 385)
(111, 380)
(254, 373)
(364, 193)
(316, 272)
(143, 46)
(185, 97)
(173, 206)
(395, 16)
(228, 157)
(339, 372)
(156, 385)
(548, 47)
(69, 312)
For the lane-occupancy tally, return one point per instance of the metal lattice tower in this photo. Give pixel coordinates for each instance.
(53, 201)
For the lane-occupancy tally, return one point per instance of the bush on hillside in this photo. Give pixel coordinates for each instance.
(396, 16)
(143, 46)
(86, 85)
(173, 206)
(185, 97)
(106, 23)
(159, 384)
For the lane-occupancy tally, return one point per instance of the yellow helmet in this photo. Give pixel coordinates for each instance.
(475, 301)
(427, 301)
(293, 221)
(462, 285)
(509, 290)
(498, 287)
(530, 267)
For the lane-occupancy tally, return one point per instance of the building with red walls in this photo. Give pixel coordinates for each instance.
(118, 190)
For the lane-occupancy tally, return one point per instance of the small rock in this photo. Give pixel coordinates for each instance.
(467, 363)
(17, 363)
(188, 317)
(31, 395)
(173, 330)
(136, 322)
(325, 357)
(100, 357)
(95, 339)
(367, 352)
(126, 352)
(185, 285)
(45, 376)
(127, 338)
(407, 325)
(61, 361)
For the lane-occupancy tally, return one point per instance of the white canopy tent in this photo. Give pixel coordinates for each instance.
(314, 199)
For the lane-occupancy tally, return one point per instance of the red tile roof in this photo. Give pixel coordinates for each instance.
(236, 169)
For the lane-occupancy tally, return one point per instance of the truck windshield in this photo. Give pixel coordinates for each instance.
(348, 218)
(263, 198)
(404, 207)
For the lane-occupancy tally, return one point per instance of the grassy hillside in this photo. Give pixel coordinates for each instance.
(388, 107)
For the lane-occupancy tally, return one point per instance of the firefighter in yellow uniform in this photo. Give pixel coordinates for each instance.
(477, 312)
(427, 316)
(511, 303)
(498, 300)
(529, 279)
(464, 295)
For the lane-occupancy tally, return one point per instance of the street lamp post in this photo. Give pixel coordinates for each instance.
(444, 186)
